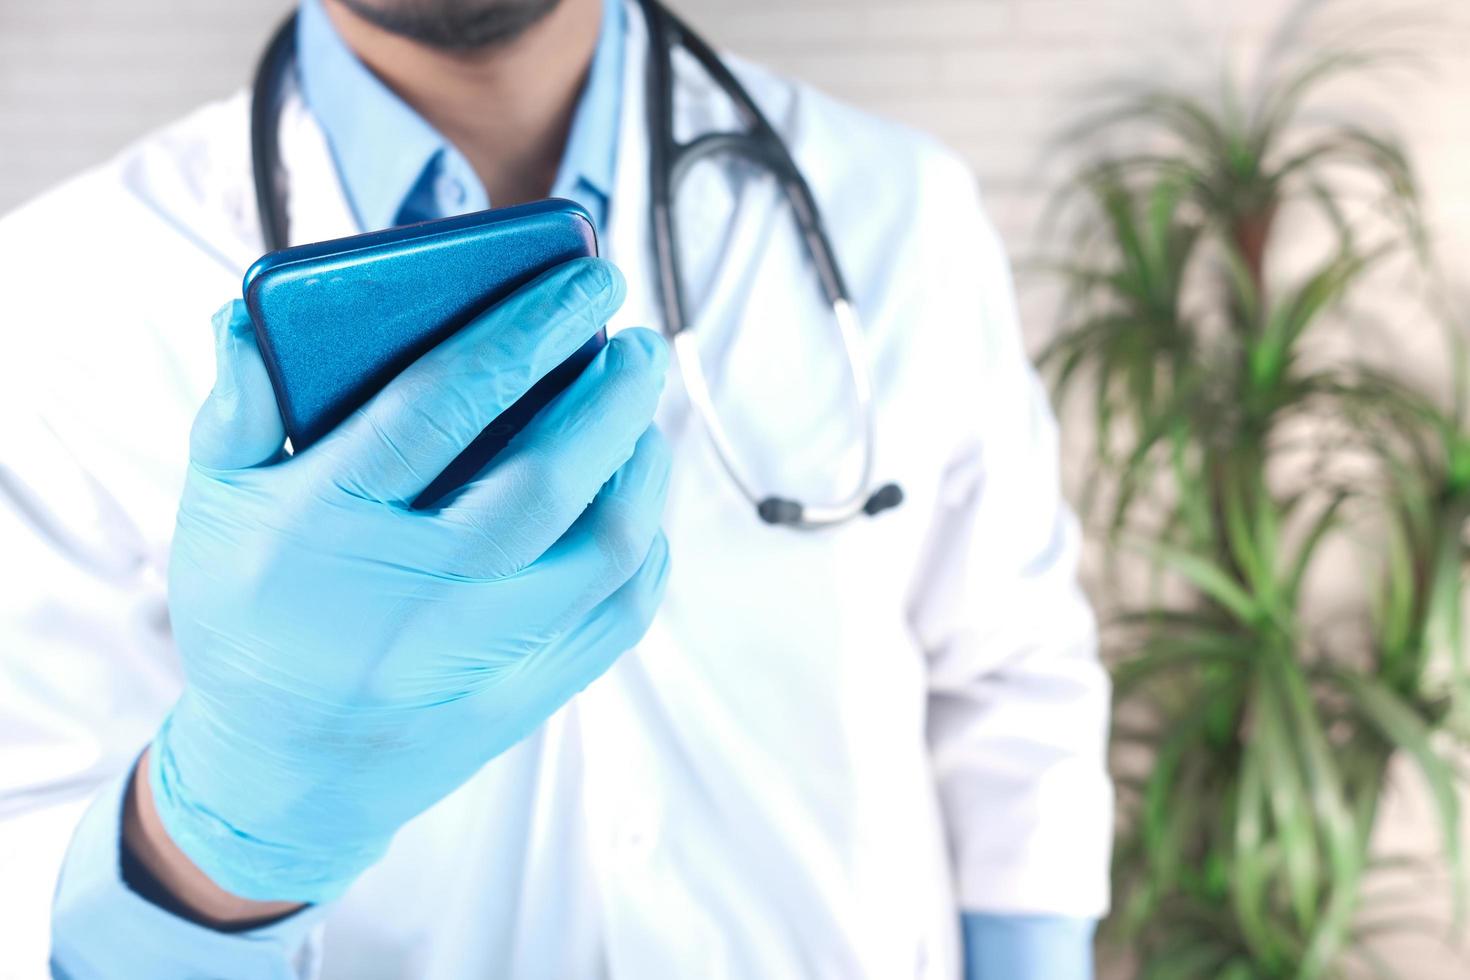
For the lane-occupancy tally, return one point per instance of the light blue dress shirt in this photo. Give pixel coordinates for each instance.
(395, 169)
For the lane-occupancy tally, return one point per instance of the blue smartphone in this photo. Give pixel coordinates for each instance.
(337, 320)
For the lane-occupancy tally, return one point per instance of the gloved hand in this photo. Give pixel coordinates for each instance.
(349, 661)
(1000, 946)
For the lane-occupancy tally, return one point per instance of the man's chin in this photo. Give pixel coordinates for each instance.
(454, 25)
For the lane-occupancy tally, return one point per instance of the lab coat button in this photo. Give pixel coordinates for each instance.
(634, 839)
(449, 191)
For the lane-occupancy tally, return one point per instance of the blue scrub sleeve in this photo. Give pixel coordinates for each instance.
(1027, 947)
(101, 928)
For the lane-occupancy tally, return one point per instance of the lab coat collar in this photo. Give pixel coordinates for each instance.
(317, 202)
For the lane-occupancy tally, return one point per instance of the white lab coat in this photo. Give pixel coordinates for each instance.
(827, 743)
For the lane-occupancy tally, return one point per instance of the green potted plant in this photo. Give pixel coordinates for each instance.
(1236, 445)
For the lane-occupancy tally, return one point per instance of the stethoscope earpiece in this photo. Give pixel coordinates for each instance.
(887, 496)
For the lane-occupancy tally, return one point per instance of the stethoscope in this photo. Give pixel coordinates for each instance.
(669, 161)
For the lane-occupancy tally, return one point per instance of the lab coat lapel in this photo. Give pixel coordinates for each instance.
(316, 201)
(627, 242)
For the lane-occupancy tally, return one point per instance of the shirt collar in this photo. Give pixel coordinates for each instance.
(383, 148)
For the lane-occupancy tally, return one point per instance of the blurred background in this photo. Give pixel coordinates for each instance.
(1156, 274)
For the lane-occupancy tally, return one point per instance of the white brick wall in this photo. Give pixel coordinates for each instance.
(78, 78)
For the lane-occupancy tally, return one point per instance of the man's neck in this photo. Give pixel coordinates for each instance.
(508, 108)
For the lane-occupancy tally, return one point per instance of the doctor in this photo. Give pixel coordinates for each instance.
(594, 718)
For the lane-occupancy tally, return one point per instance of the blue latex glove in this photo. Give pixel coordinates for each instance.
(1027, 947)
(349, 661)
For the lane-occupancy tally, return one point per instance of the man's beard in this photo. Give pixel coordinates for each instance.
(454, 25)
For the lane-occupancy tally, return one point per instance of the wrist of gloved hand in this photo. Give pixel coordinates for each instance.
(252, 853)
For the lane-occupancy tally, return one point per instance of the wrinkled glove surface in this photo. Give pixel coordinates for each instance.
(350, 660)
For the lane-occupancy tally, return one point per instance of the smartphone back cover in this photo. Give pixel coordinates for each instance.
(337, 320)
